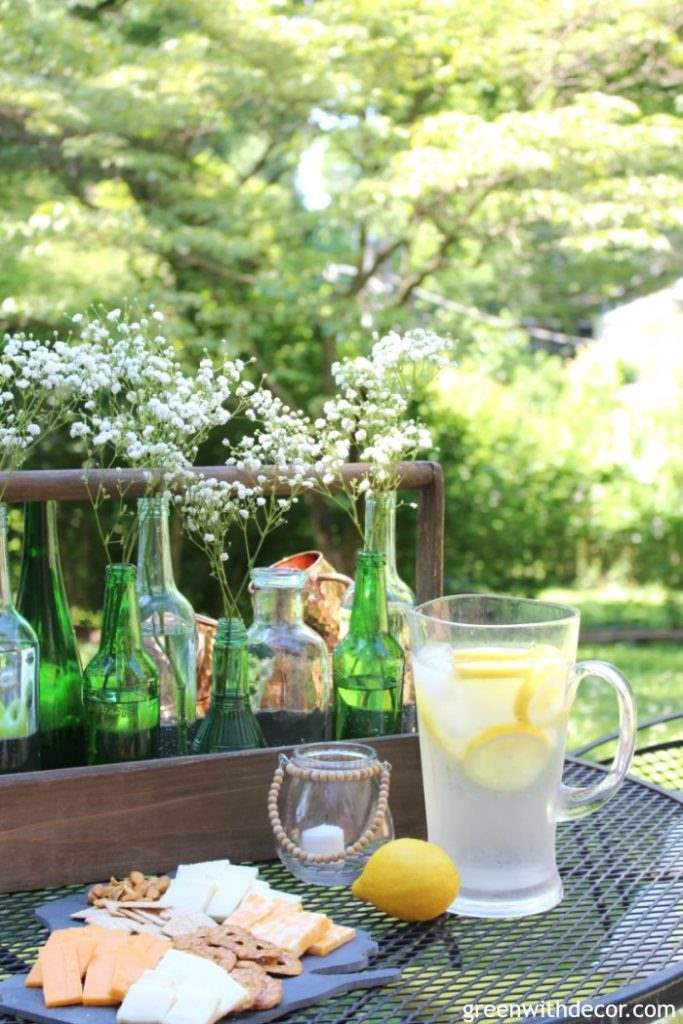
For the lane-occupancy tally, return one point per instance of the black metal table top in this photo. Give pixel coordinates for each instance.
(617, 936)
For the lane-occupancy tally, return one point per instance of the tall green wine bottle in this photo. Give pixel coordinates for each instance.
(43, 603)
(121, 683)
(230, 723)
(368, 662)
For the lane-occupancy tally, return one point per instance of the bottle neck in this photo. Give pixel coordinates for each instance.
(369, 613)
(5, 590)
(40, 551)
(380, 528)
(121, 632)
(229, 681)
(154, 567)
(283, 606)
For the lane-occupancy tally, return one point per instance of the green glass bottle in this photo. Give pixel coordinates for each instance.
(368, 662)
(121, 683)
(19, 666)
(43, 603)
(230, 723)
(380, 535)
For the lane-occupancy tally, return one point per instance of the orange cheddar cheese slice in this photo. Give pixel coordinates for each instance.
(61, 974)
(132, 959)
(293, 932)
(129, 965)
(336, 935)
(81, 939)
(35, 976)
(98, 980)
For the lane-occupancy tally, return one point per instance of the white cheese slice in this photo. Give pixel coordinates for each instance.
(193, 1006)
(153, 977)
(232, 887)
(188, 969)
(146, 1003)
(204, 868)
(232, 993)
(189, 892)
(259, 886)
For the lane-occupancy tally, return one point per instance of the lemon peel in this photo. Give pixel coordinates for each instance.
(410, 879)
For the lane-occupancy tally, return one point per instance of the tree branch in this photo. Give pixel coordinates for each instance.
(363, 276)
(414, 280)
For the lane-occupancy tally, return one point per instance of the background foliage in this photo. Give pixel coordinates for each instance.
(291, 175)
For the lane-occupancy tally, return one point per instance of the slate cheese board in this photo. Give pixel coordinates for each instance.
(343, 970)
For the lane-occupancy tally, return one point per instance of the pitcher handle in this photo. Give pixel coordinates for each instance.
(575, 801)
(335, 577)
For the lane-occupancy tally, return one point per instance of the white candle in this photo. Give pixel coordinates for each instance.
(323, 839)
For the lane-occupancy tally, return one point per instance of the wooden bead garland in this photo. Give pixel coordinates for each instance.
(320, 775)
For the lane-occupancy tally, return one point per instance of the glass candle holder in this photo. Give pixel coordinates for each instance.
(329, 810)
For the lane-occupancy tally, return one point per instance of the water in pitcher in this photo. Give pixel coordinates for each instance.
(492, 732)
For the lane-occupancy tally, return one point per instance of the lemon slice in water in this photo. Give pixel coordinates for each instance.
(442, 722)
(542, 699)
(506, 757)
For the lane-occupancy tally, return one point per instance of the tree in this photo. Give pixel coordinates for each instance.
(291, 175)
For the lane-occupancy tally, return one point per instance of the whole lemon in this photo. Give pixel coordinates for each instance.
(409, 879)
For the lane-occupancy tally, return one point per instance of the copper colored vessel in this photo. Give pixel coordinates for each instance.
(206, 634)
(324, 591)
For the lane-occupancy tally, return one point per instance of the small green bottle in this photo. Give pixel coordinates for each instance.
(230, 723)
(121, 683)
(43, 602)
(368, 662)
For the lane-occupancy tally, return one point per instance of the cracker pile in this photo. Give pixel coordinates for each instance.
(250, 962)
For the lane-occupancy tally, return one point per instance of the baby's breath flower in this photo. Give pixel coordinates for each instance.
(368, 419)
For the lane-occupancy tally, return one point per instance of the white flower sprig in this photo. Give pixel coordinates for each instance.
(38, 382)
(141, 410)
(218, 515)
(368, 420)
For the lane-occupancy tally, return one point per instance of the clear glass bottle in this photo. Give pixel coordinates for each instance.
(169, 627)
(380, 536)
(230, 723)
(289, 666)
(121, 682)
(19, 665)
(42, 601)
(368, 662)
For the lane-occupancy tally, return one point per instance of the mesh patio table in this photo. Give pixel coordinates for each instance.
(616, 938)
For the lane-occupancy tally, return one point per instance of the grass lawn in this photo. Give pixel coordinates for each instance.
(655, 672)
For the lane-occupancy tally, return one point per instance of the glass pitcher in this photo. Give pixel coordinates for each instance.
(495, 679)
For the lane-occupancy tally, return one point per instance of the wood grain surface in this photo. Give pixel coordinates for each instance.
(84, 824)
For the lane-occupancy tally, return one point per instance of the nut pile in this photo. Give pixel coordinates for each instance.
(134, 887)
(247, 959)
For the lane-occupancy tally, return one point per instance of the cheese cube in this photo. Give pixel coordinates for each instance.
(146, 1003)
